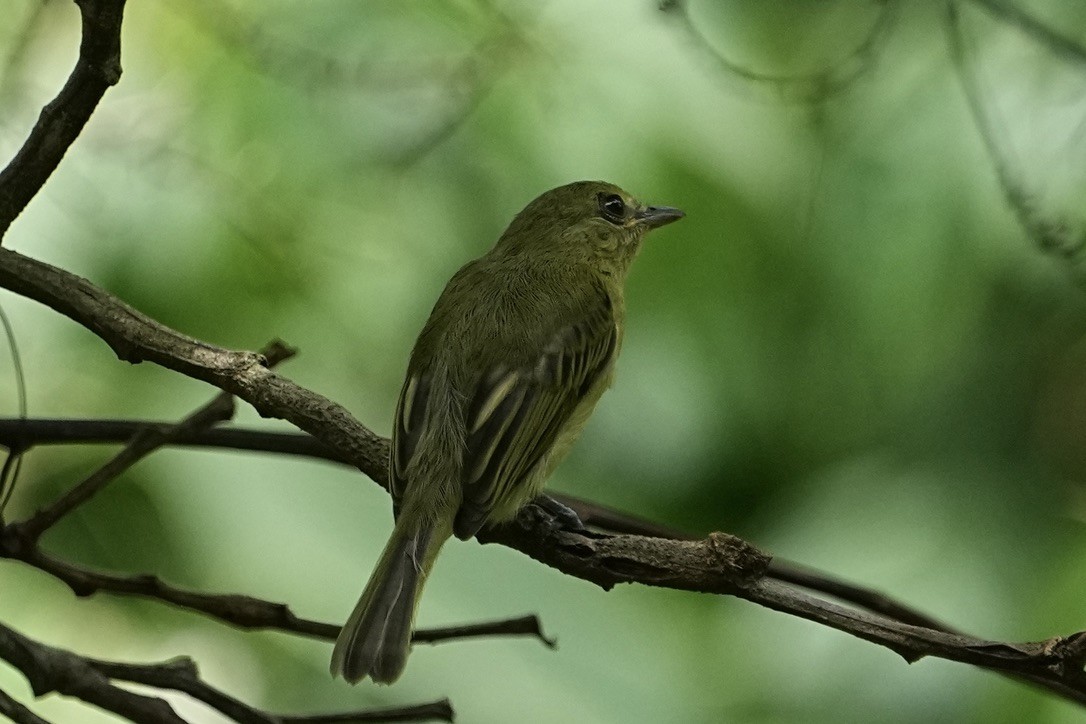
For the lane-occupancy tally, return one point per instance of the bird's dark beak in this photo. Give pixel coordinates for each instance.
(653, 217)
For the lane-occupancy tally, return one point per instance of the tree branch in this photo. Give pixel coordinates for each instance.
(23, 434)
(1063, 45)
(242, 611)
(26, 434)
(650, 554)
(727, 565)
(61, 121)
(135, 337)
(1051, 234)
(720, 564)
(16, 712)
(49, 669)
(812, 87)
(139, 446)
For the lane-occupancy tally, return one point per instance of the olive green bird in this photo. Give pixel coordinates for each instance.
(503, 377)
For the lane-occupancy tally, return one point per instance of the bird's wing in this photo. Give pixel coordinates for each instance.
(514, 416)
(408, 428)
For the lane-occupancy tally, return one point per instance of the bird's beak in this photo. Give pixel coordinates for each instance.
(653, 217)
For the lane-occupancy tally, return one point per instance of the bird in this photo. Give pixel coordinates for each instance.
(504, 375)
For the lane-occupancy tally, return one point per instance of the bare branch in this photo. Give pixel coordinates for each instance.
(24, 434)
(237, 610)
(60, 122)
(54, 670)
(522, 626)
(1049, 234)
(50, 669)
(727, 565)
(1061, 45)
(813, 87)
(181, 674)
(257, 614)
(16, 712)
(441, 710)
(142, 444)
(135, 337)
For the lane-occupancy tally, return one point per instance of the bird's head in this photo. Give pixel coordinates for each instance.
(590, 221)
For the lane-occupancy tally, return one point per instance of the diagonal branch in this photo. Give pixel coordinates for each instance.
(54, 670)
(25, 434)
(719, 564)
(1062, 45)
(812, 87)
(141, 444)
(651, 554)
(16, 712)
(135, 337)
(1050, 234)
(724, 564)
(60, 122)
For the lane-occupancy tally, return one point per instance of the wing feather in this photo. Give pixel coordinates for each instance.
(408, 428)
(516, 417)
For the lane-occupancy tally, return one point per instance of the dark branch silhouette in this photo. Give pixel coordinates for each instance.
(811, 87)
(717, 564)
(1055, 235)
(60, 123)
(49, 669)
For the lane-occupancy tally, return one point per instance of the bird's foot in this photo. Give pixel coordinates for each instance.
(562, 514)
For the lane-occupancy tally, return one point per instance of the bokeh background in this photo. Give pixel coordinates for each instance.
(852, 352)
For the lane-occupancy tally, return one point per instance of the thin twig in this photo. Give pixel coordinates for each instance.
(815, 86)
(1062, 45)
(242, 611)
(9, 474)
(522, 626)
(1052, 235)
(49, 669)
(97, 68)
(18, 434)
(181, 674)
(440, 710)
(256, 614)
(16, 712)
(142, 444)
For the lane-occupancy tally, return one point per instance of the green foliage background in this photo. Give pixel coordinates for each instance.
(849, 353)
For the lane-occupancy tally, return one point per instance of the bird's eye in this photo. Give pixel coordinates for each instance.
(613, 208)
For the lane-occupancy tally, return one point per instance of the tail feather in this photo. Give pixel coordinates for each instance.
(376, 639)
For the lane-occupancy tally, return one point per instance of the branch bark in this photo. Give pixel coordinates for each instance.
(718, 564)
(60, 123)
(50, 669)
(135, 337)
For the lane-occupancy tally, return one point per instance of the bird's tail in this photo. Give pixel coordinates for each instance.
(377, 637)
